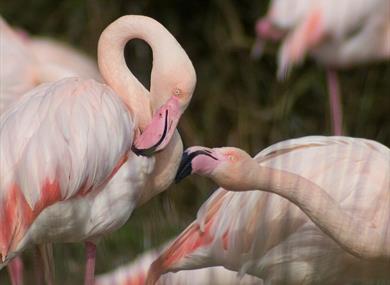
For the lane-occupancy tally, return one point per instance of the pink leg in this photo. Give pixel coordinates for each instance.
(38, 267)
(89, 277)
(335, 102)
(15, 270)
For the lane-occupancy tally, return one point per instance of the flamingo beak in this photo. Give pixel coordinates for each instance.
(265, 31)
(185, 167)
(156, 136)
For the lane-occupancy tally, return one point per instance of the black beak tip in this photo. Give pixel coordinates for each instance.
(148, 152)
(185, 167)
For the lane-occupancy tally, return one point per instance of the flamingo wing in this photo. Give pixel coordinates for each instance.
(60, 140)
(135, 273)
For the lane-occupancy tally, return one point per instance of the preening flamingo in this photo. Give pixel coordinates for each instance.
(135, 274)
(27, 62)
(62, 142)
(338, 34)
(329, 222)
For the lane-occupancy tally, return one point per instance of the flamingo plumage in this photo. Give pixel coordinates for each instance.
(27, 62)
(337, 34)
(62, 142)
(338, 236)
(135, 273)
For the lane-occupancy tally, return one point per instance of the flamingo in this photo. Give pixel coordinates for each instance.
(135, 274)
(338, 34)
(62, 142)
(27, 62)
(322, 215)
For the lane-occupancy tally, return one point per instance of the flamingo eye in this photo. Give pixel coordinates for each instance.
(177, 92)
(231, 157)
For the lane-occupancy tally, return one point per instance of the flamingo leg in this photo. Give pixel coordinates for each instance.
(44, 265)
(38, 267)
(15, 270)
(335, 102)
(89, 277)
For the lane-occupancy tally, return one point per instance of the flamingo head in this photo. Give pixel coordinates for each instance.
(229, 167)
(156, 136)
(160, 130)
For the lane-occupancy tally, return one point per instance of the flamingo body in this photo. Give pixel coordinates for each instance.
(336, 33)
(52, 157)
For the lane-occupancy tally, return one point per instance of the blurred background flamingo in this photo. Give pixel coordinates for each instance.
(89, 213)
(135, 274)
(338, 34)
(27, 62)
(268, 236)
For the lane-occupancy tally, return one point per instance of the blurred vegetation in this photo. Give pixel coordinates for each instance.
(237, 102)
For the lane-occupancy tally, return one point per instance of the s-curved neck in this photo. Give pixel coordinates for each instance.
(357, 236)
(112, 63)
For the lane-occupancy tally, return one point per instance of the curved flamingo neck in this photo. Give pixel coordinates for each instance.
(113, 67)
(165, 168)
(357, 236)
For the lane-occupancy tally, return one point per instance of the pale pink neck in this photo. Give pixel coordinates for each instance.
(165, 168)
(357, 236)
(112, 63)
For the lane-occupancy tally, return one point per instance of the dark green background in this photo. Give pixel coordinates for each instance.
(237, 101)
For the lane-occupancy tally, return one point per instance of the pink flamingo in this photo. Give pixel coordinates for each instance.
(27, 62)
(338, 34)
(56, 165)
(135, 274)
(329, 222)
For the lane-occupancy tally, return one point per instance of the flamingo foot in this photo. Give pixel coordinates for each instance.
(89, 277)
(335, 102)
(15, 270)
